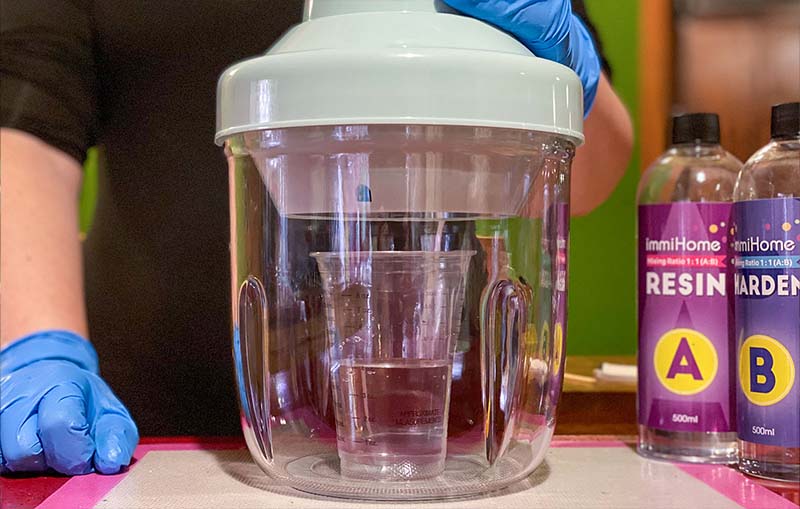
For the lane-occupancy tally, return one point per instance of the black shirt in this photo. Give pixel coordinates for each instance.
(138, 79)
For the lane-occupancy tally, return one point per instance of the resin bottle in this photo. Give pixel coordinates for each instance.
(686, 398)
(766, 220)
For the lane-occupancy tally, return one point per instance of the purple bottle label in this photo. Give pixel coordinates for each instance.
(685, 277)
(767, 300)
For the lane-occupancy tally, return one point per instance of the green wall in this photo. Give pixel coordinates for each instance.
(602, 305)
(88, 199)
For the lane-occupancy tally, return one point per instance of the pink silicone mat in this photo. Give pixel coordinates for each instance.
(576, 474)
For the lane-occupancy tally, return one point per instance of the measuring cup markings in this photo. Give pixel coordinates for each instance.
(392, 336)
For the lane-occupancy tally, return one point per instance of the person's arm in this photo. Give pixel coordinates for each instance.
(600, 163)
(40, 250)
(56, 412)
(551, 30)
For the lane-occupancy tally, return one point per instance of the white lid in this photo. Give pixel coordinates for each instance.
(397, 62)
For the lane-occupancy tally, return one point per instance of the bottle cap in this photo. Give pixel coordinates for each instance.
(785, 120)
(695, 128)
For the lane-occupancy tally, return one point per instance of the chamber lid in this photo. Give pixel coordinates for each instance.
(397, 62)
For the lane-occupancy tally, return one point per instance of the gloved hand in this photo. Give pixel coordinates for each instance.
(56, 412)
(549, 29)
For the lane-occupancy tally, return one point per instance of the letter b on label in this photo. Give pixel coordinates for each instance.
(766, 370)
(762, 378)
(685, 361)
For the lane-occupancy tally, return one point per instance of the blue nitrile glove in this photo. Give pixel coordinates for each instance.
(56, 412)
(240, 381)
(549, 29)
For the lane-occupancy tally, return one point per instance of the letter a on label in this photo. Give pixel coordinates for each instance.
(685, 361)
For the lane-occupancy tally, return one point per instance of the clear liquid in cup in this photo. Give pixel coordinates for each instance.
(392, 417)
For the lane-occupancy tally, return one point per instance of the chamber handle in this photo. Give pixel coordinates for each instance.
(252, 363)
(503, 322)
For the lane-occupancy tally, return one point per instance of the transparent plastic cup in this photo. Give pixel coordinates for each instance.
(393, 319)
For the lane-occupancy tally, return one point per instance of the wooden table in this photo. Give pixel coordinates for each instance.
(589, 411)
(589, 406)
(48, 492)
(594, 408)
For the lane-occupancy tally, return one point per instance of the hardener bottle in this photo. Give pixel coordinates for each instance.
(766, 221)
(686, 390)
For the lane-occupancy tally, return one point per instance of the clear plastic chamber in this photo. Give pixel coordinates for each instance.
(399, 304)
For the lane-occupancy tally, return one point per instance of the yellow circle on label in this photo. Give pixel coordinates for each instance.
(766, 370)
(685, 361)
(544, 334)
(531, 336)
(558, 348)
